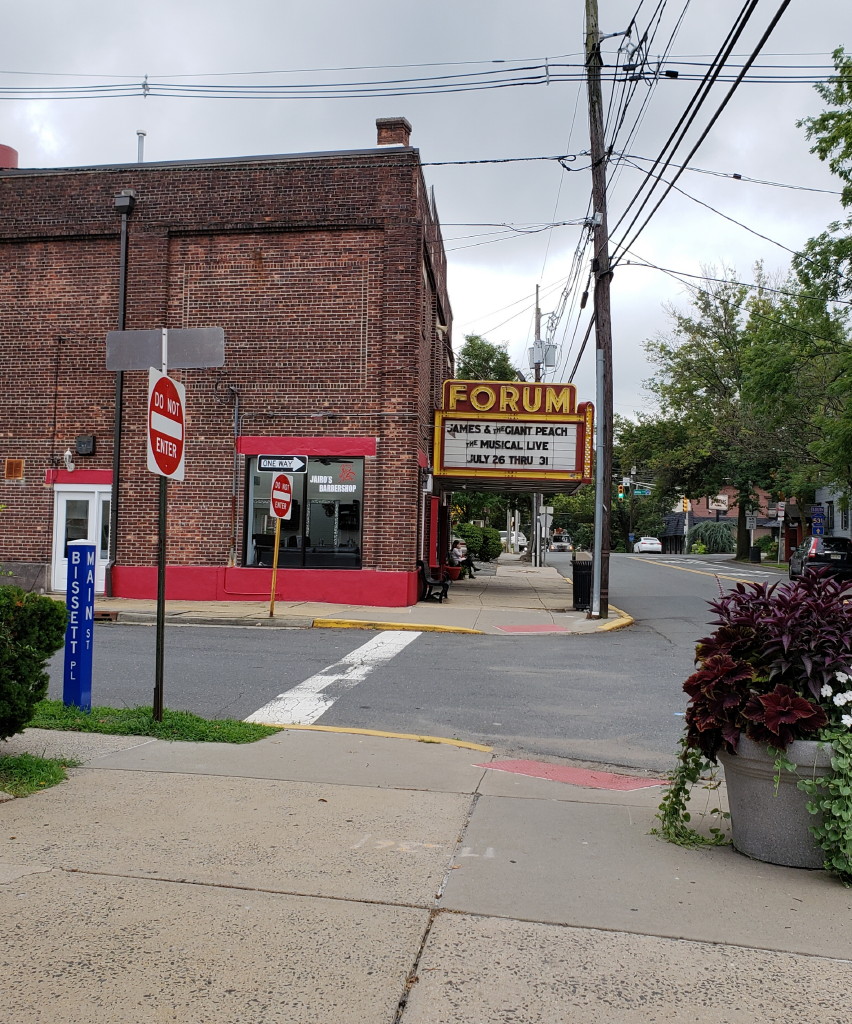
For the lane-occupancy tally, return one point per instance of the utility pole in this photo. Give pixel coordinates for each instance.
(536, 501)
(603, 322)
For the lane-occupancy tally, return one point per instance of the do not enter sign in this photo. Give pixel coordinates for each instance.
(281, 502)
(166, 436)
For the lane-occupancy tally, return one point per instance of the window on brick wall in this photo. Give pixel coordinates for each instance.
(13, 469)
(324, 528)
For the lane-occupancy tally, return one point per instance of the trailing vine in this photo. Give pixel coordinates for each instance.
(832, 798)
(692, 769)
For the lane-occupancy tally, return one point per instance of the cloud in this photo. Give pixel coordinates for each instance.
(755, 135)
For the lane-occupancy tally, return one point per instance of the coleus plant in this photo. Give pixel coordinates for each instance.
(768, 668)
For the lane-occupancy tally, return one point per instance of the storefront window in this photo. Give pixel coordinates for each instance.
(324, 528)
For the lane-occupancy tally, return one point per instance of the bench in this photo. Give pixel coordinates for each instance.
(430, 583)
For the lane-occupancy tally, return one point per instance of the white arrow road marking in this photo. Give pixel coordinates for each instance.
(305, 703)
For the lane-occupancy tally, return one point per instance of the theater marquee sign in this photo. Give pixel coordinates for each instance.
(494, 430)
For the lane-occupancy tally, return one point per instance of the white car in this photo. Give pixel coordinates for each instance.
(649, 544)
(507, 540)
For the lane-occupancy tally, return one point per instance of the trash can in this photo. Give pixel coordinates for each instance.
(581, 578)
(754, 553)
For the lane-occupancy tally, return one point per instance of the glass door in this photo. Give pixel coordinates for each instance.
(80, 514)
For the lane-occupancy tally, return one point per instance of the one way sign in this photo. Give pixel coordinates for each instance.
(282, 463)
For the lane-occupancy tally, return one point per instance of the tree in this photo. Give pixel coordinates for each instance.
(707, 432)
(832, 129)
(481, 360)
(32, 627)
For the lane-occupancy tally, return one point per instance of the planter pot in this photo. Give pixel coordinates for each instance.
(771, 828)
(453, 571)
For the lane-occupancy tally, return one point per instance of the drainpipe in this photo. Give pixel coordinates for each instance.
(124, 203)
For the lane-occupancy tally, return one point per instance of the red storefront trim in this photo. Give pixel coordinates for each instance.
(250, 444)
(79, 476)
(237, 583)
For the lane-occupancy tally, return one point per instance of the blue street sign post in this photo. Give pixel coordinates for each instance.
(80, 632)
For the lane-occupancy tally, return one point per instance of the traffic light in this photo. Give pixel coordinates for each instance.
(621, 490)
(686, 504)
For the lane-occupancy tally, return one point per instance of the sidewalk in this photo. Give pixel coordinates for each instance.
(354, 879)
(509, 596)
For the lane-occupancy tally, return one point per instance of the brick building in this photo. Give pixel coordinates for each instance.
(327, 273)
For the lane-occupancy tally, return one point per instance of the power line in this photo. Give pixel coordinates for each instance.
(726, 99)
(678, 274)
(686, 119)
(730, 174)
(724, 216)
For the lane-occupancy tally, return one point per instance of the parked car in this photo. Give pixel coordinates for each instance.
(651, 545)
(832, 553)
(505, 538)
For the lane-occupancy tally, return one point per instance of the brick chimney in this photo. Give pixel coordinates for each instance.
(393, 131)
(9, 158)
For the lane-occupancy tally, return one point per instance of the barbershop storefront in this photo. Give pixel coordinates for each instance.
(323, 530)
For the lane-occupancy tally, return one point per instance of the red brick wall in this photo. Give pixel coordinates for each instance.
(314, 266)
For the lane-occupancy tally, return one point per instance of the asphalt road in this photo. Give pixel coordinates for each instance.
(610, 698)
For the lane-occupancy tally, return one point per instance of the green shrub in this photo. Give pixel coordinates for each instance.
(32, 628)
(717, 538)
(492, 546)
(769, 546)
(472, 536)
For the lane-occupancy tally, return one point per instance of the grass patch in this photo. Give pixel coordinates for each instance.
(24, 774)
(176, 725)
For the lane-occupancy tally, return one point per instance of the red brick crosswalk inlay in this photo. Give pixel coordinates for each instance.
(574, 776)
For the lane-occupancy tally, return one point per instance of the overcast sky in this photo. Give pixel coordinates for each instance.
(493, 272)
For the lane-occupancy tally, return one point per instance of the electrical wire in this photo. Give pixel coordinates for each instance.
(688, 116)
(622, 245)
(678, 274)
(729, 174)
(724, 216)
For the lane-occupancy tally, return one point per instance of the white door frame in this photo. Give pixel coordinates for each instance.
(94, 494)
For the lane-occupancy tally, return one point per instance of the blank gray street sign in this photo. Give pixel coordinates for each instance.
(189, 348)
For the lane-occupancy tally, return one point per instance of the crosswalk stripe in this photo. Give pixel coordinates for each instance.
(310, 699)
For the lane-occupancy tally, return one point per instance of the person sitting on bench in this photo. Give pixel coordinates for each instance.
(459, 555)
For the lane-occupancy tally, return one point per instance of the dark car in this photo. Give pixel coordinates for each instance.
(832, 553)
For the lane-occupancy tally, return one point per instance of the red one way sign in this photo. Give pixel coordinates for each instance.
(166, 434)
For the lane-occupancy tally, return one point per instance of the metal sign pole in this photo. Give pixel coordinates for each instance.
(274, 568)
(161, 569)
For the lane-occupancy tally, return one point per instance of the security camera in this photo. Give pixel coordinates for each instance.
(66, 458)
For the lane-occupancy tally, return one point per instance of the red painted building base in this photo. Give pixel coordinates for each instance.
(220, 583)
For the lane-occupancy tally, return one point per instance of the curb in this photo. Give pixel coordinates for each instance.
(420, 738)
(371, 624)
(622, 622)
(189, 619)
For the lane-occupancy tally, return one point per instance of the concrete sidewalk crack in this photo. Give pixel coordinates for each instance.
(413, 977)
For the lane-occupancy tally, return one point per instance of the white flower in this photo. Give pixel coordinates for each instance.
(841, 677)
(827, 691)
(839, 699)
(846, 720)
